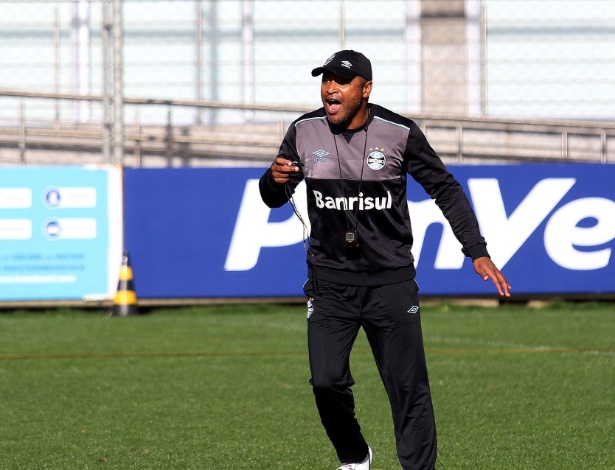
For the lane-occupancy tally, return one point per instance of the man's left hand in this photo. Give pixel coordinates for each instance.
(487, 270)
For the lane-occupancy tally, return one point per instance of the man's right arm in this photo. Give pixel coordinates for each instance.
(274, 184)
(279, 181)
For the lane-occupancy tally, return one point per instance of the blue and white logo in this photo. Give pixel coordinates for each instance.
(53, 229)
(376, 160)
(53, 198)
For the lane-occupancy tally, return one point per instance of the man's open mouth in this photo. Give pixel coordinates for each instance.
(332, 106)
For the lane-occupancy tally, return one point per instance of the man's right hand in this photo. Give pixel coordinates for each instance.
(281, 169)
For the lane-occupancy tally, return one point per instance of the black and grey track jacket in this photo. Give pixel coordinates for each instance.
(357, 178)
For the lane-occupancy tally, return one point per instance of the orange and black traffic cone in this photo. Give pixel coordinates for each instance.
(125, 302)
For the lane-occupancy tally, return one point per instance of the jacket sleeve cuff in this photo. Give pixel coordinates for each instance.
(477, 251)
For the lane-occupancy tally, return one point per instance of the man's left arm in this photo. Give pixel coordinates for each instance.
(426, 167)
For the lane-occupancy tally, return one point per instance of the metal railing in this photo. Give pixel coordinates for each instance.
(253, 136)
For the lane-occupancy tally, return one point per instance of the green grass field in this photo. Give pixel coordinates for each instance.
(218, 388)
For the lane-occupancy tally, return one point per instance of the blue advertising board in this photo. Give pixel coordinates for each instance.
(204, 233)
(60, 232)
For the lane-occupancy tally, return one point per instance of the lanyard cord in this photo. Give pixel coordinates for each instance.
(339, 165)
(289, 194)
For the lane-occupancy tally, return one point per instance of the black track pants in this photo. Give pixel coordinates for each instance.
(390, 316)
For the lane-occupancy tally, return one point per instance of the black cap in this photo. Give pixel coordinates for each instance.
(346, 64)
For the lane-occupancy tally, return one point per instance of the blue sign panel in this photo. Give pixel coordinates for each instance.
(179, 225)
(549, 227)
(60, 232)
(204, 233)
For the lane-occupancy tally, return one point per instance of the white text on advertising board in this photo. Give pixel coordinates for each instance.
(563, 235)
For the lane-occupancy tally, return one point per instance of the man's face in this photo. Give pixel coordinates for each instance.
(345, 101)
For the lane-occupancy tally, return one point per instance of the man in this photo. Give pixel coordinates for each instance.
(355, 157)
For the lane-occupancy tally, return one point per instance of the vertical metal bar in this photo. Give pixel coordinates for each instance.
(137, 149)
(247, 28)
(74, 40)
(473, 48)
(342, 26)
(56, 61)
(86, 63)
(210, 20)
(412, 35)
(22, 132)
(198, 37)
(118, 84)
(564, 145)
(80, 34)
(484, 76)
(169, 137)
(459, 135)
(106, 82)
(605, 149)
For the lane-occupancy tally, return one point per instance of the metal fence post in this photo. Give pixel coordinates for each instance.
(118, 84)
(22, 132)
(341, 34)
(459, 135)
(137, 130)
(247, 37)
(106, 82)
(198, 37)
(57, 66)
(565, 145)
(169, 137)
